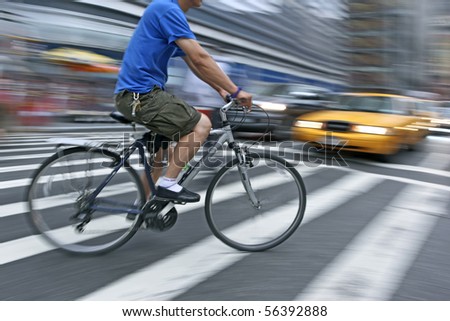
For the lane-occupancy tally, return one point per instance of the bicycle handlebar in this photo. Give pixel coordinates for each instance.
(233, 102)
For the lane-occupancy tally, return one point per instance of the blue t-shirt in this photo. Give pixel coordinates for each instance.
(146, 59)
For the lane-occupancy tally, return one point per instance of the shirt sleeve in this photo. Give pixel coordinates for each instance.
(178, 53)
(175, 26)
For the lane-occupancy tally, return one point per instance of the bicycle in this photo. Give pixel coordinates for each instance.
(82, 197)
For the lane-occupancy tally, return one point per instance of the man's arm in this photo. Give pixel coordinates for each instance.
(205, 68)
(222, 92)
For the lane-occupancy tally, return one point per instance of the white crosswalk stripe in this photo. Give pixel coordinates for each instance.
(11, 251)
(204, 259)
(372, 266)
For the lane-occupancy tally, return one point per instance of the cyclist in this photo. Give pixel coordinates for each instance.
(163, 32)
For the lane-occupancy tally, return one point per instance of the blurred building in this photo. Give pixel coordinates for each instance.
(438, 64)
(304, 39)
(62, 55)
(388, 47)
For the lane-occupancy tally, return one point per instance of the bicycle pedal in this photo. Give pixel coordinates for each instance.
(161, 199)
(165, 200)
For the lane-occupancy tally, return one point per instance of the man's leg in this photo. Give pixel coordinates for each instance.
(185, 149)
(187, 146)
(157, 170)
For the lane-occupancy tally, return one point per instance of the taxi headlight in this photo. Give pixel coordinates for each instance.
(370, 130)
(308, 124)
(272, 106)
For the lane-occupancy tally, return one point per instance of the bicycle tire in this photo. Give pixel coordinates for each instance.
(55, 194)
(226, 191)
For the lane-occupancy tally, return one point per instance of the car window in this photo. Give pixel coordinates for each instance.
(275, 90)
(445, 104)
(404, 106)
(375, 104)
(444, 109)
(292, 90)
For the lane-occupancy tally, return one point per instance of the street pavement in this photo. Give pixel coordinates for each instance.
(371, 231)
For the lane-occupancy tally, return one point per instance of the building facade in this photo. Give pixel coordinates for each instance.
(438, 64)
(389, 44)
(283, 39)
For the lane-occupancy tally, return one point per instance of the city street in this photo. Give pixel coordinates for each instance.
(371, 231)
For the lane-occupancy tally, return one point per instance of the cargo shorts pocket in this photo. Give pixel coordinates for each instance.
(149, 107)
(175, 120)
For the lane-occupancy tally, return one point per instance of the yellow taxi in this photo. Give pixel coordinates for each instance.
(426, 110)
(375, 123)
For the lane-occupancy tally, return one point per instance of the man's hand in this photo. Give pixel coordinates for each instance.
(245, 99)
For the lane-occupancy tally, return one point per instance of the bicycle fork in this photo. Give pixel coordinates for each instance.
(244, 164)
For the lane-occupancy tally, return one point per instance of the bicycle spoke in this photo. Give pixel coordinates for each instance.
(61, 208)
(280, 196)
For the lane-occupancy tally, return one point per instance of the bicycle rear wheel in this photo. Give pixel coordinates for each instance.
(281, 196)
(60, 207)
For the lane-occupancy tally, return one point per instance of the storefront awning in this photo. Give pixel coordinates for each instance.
(81, 60)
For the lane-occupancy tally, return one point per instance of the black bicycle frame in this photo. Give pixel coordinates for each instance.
(139, 145)
(225, 134)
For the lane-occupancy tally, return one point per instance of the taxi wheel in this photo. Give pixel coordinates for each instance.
(387, 158)
(412, 145)
(415, 147)
(384, 158)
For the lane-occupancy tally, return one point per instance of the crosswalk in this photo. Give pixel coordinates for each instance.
(384, 250)
(365, 227)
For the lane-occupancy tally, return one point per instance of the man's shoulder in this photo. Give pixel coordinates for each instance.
(161, 7)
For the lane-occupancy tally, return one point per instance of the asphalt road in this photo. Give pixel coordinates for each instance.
(372, 231)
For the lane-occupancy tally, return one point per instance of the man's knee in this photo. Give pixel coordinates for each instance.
(203, 126)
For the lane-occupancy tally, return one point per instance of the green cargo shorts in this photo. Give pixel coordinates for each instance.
(160, 112)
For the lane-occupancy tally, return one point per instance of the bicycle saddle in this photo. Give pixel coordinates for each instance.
(119, 117)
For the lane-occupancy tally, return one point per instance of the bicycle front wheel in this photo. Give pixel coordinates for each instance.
(262, 214)
(60, 206)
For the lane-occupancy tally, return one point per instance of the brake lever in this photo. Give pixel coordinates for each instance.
(245, 109)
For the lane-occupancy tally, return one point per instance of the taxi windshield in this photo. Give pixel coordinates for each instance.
(374, 104)
(290, 90)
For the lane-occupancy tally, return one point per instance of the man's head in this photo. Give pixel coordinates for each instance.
(185, 5)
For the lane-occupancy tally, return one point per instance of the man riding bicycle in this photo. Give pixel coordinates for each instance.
(162, 33)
